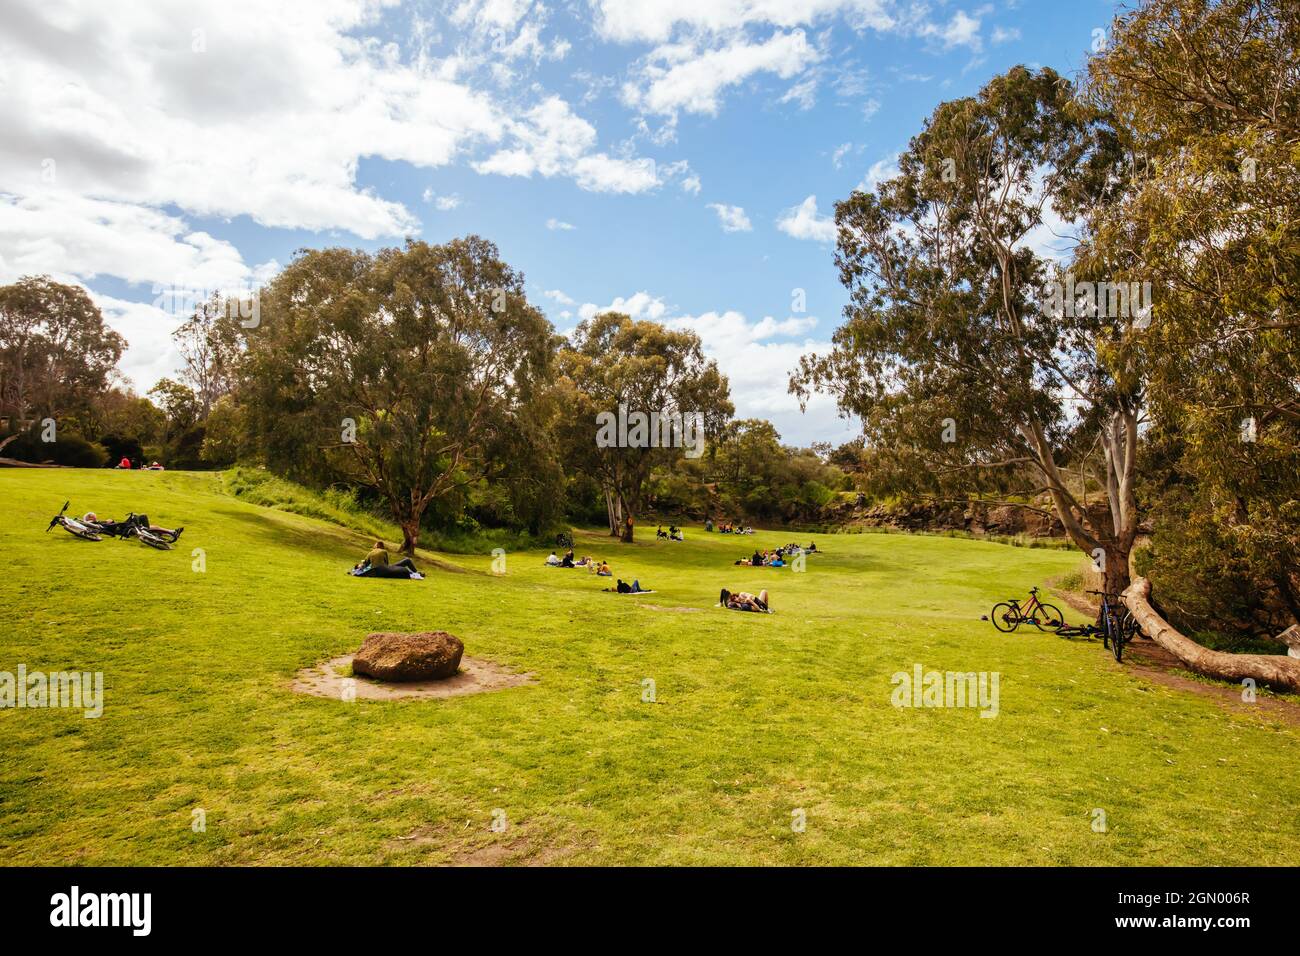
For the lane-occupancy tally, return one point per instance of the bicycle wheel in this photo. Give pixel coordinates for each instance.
(85, 534)
(1005, 618)
(1051, 617)
(152, 540)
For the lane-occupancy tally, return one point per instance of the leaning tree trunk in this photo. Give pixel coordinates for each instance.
(1276, 670)
(614, 514)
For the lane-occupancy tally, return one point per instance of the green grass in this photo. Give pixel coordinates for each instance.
(756, 715)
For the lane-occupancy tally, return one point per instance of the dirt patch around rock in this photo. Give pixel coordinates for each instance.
(476, 676)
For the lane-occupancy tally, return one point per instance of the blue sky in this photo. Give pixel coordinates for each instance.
(676, 159)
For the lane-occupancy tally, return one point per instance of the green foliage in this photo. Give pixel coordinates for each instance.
(336, 505)
(1207, 96)
(56, 353)
(69, 449)
(412, 372)
(947, 355)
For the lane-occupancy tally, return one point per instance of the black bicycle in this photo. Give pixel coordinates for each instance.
(1118, 625)
(564, 539)
(138, 527)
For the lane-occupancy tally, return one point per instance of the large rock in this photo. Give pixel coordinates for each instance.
(427, 655)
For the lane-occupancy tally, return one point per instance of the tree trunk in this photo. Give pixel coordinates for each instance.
(410, 536)
(1115, 573)
(614, 514)
(1275, 670)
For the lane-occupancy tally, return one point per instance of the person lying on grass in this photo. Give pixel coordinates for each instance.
(744, 601)
(376, 565)
(139, 521)
(624, 588)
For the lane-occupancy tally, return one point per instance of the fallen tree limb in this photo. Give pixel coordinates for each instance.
(1276, 670)
(15, 463)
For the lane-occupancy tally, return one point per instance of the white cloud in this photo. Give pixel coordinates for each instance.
(559, 224)
(732, 218)
(961, 30)
(226, 119)
(682, 76)
(880, 170)
(559, 297)
(1001, 35)
(654, 22)
(443, 203)
(837, 157)
(870, 108)
(73, 237)
(151, 354)
(551, 140)
(691, 184)
(641, 305)
(757, 358)
(803, 93)
(803, 222)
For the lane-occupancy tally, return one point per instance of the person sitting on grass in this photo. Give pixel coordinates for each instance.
(567, 560)
(376, 565)
(602, 570)
(553, 560)
(777, 561)
(659, 532)
(743, 600)
(757, 559)
(582, 562)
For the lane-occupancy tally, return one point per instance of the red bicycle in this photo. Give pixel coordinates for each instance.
(1009, 615)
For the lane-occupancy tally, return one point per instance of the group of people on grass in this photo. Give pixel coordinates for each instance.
(728, 527)
(593, 566)
(673, 533)
(763, 559)
(775, 558)
(378, 564)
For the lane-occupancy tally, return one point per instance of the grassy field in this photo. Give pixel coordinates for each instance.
(755, 717)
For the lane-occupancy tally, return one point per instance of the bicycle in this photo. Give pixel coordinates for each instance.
(138, 527)
(1118, 625)
(564, 539)
(74, 526)
(1009, 615)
